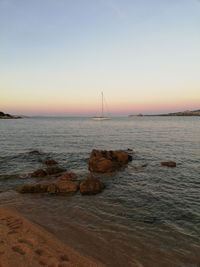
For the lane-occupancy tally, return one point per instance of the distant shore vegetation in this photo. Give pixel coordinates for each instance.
(181, 113)
(8, 116)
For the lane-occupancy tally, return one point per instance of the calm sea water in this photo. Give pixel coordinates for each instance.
(145, 217)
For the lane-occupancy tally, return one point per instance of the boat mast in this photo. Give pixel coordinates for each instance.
(102, 105)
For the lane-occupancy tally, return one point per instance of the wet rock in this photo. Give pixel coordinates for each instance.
(39, 173)
(50, 162)
(54, 170)
(59, 187)
(102, 165)
(68, 176)
(33, 188)
(35, 152)
(65, 184)
(103, 161)
(171, 164)
(52, 189)
(121, 157)
(91, 186)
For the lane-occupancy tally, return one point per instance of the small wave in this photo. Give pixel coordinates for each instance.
(9, 176)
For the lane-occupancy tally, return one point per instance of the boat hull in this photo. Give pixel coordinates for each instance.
(100, 118)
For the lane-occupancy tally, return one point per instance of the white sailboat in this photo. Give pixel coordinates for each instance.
(101, 117)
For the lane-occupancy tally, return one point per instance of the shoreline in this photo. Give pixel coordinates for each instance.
(26, 244)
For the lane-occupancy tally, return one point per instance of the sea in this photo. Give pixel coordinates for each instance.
(147, 216)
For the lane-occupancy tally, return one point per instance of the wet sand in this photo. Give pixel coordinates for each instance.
(24, 244)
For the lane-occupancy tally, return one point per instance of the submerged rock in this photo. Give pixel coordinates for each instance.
(33, 188)
(50, 162)
(103, 161)
(35, 152)
(171, 164)
(91, 186)
(65, 184)
(68, 176)
(39, 173)
(54, 170)
(48, 171)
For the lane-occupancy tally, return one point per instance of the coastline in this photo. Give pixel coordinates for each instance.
(24, 244)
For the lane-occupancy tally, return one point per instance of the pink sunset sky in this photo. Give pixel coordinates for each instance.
(57, 57)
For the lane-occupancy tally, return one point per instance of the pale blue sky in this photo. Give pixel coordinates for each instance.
(57, 54)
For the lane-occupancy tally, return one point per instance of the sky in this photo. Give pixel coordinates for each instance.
(56, 56)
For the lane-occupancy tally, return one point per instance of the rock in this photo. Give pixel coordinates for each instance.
(67, 186)
(50, 162)
(39, 173)
(63, 186)
(108, 161)
(102, 165)
(52, 188)
(35, 152)
(54, 170)
(48, 171)
(171, 164)
(91, 186)
(33, 188)
(68, 176)
(120, 156)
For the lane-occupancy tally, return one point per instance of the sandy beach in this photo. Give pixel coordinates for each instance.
(24, 244)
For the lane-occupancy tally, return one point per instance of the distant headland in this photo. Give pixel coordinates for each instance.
(8, 116)
(181, 113)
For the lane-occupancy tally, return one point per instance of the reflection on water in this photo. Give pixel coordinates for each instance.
(148, 216)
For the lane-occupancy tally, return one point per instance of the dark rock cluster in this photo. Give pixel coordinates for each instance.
(100, 161)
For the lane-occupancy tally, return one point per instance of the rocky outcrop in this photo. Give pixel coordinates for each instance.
(91, 186)
(104, 161)
(183, 113)
(171, 164)
(65, 184)
(62, 187)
